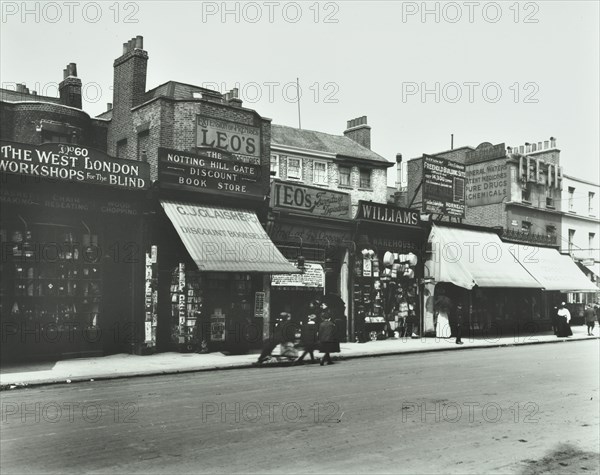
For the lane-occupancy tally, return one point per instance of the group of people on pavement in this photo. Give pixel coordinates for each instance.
(317, 332)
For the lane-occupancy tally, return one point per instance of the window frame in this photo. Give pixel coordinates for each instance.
(571, 197)
(360, 177)
(299, 178)
(277, 157)
(326, 180)
(345, 167)
(591, 210)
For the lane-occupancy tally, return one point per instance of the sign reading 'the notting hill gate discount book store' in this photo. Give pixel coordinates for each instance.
(241, 140)
(70, 162)
(209, 171)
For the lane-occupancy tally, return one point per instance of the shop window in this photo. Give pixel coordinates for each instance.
(275, 165)
(591, 196)
(345, 173)
(320, 173)
(571, 199)
(365, 178)
(571, 238)
(294, 168)
(526, 193)
(526, 227)
(122, 148)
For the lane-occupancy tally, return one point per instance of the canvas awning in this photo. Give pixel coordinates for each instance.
(552, 269)
(595, 268)
(467, 258)
(221, 239)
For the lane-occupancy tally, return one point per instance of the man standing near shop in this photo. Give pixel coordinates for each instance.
(590, 319)
(459, 318)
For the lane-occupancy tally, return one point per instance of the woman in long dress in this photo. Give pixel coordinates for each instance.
(564, 317)
(443, 307)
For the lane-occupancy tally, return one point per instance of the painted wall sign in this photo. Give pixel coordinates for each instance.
(69, 162)
(487, 183)
(313, 277)
(310, 200)
(443, 187)
(212, 171)
(536, 170)
(486, 151)
(241, 140)
(309, 235)
(388, 214)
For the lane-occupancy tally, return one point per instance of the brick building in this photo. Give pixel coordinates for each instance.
(70, 227)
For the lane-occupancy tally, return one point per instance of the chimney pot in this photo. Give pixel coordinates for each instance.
(34, 93)
(65, 73)
(109, 106)
(139, 42)
(125, 45)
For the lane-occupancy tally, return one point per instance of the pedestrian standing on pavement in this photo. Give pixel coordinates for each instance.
(328, 341)
(555, 320)
(564, 317)
(309, 333)
(459, 315)
(590, 319)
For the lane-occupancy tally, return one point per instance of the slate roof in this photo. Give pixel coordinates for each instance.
(339, 145)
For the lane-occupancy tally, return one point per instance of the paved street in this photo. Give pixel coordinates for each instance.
(530, 409)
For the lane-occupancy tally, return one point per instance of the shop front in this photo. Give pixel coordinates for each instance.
(311, 227)
(472, 266)
(72, 234)
(386, 272)
(209, 259)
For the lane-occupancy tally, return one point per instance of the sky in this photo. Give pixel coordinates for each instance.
(504, 71)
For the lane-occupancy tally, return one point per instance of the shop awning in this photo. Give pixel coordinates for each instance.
(467, 258)
(552, 269)
(595, 268)
(221, 239)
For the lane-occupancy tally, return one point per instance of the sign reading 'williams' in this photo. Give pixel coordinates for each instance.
(387, 214)
(241, 140)
(74, 163)
(310, 200)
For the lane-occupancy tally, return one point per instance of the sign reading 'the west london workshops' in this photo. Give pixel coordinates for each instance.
(210, 171)
(443, 187)
(74, 163)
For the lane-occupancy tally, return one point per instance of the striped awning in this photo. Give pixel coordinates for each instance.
(221, 239)
(467, 258)
(552, 269)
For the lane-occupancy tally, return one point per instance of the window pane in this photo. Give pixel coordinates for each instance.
(275, 165)
(294, 168)
(365, 178)
(320, 173)
(344, 176)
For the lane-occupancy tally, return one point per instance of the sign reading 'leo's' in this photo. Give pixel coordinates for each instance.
(241, 140)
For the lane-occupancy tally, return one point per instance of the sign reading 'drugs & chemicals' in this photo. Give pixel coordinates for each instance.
(241, 140)
(211, 171)
(73, 163)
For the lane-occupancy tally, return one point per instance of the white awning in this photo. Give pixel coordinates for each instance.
(223, 239)
(552, 269)
(468, 258)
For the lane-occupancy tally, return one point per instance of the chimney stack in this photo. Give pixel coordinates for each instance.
(358, 130)
(129, 83)
(398, 171)
(70, 87)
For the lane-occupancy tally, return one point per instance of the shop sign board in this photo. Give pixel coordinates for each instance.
(310, 200)
(487, 183)
(259, 304)
(313, 277)
(240, 140)
(73, 163)
(443, 187)
(209, 171)
(388, 214)
(309, 235)
(486, 151)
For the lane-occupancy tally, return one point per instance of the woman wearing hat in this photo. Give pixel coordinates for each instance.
(309, 333)
(328, 340)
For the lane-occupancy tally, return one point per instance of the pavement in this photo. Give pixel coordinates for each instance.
(19, 375)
